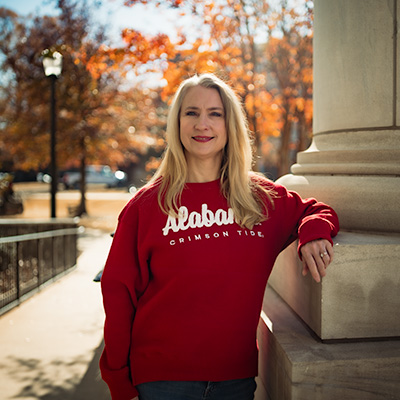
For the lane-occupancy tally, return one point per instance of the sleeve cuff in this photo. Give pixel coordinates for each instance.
(313, 230)
(119, 382)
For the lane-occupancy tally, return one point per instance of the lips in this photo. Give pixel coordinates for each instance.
(202, 138)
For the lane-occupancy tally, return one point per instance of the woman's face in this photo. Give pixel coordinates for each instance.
(202, 124)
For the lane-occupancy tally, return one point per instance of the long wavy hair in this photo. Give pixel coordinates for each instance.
(245, 196)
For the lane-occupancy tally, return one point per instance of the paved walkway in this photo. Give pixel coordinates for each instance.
(50, 344)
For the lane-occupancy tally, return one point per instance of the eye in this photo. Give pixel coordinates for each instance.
(191, 113)
(216, 114)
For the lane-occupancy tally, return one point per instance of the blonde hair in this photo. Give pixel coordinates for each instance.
(244, 195)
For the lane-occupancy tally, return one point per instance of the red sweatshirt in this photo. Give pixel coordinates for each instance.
(183, 297)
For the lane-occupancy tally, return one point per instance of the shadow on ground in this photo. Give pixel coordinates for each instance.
(39, 383)
(91, 386)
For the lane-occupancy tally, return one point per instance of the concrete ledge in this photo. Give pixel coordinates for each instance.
(294, 364)
(359, 297)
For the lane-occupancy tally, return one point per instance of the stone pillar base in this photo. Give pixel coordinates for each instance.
(359, 297)
(295, 365)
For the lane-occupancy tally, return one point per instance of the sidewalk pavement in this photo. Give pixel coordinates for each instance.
(50, 344)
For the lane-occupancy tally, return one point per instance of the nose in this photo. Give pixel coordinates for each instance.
(202, 122)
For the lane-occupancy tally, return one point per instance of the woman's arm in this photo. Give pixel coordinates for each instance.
(314, 224)
(124, 279)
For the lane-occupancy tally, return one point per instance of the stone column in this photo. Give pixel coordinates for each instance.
(320, 350)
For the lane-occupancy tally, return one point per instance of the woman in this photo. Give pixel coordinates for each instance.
(185, 277)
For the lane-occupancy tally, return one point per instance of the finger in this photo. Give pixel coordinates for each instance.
(326, 253)
(305, 269)
(325, 257)
(322, 261)
(329, 249)
(311, 265)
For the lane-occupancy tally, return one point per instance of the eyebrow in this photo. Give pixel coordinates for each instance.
(208, 109)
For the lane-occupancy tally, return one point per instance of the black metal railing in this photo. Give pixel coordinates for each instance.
(31, 255)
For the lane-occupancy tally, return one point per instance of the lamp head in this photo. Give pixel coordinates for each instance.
(52, 63)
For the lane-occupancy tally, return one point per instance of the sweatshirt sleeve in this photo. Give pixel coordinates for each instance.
(305, 219)
(124, 279)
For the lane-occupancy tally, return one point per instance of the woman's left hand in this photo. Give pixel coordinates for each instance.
(317, 255)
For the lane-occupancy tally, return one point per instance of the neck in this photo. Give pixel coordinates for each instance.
(203, 171)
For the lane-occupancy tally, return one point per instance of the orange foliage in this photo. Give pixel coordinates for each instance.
(273, 78)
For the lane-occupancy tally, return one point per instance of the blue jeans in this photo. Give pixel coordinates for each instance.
(238, 389)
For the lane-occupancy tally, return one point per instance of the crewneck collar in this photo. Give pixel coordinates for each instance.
(203, 185)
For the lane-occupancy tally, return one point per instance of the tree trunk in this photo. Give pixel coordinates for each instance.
(303, 137)
(284, 156)
(82, 206)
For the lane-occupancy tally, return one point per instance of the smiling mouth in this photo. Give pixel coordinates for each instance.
(202, 138)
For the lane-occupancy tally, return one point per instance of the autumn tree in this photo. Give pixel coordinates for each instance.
(87, 128)
(26, 117)
(140, 115)
(23, 121)
(264, 51)
(289, 60)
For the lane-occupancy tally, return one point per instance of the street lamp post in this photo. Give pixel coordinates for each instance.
(52, 65)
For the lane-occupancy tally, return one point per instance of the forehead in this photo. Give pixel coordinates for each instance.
(199, 96)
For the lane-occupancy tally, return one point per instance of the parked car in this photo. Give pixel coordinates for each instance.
(95, 174)
(10, 203)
